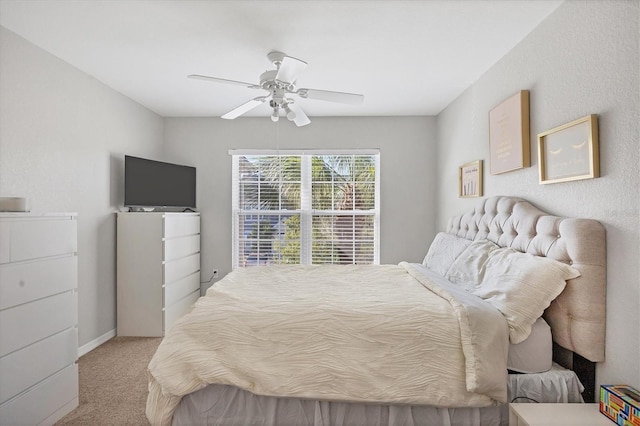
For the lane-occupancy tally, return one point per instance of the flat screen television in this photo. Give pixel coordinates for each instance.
(150, 183)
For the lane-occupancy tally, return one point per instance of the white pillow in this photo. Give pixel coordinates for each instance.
(521, 286)
(468, 268)
(444, 249)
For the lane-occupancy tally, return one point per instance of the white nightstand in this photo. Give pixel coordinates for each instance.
(557, 414)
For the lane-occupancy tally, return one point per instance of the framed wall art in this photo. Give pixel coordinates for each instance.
(569, 152)
(509, 145)
(470, 179)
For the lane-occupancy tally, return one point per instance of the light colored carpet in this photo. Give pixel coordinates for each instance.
(113, 383)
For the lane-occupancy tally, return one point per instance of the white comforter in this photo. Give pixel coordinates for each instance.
(396, 334)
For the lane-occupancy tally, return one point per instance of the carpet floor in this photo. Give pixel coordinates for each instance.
(113, 383)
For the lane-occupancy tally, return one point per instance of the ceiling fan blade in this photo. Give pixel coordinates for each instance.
(223, 80)
(327, 95)
(289, 69)
(301, 118)
(245, 107)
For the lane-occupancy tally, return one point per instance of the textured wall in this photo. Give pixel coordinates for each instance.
(62, 139)
(583, 59)
(407, 172)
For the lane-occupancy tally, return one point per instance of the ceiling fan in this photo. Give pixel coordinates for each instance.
(280, 83)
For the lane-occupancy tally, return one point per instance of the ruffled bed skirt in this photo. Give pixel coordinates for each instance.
(227, 405)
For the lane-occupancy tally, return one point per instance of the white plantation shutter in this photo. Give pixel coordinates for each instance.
(307, 207)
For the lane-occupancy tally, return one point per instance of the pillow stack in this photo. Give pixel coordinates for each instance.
(520, 285)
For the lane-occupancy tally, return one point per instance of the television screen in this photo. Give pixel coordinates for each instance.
(149, 183)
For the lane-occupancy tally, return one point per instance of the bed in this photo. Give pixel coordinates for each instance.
(431, 343)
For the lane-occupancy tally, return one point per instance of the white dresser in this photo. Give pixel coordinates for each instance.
(158, 270)
(38, 317)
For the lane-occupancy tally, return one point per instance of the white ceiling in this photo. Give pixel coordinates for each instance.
(406, 57)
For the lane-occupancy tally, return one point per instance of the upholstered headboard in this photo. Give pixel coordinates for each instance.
(577, 316)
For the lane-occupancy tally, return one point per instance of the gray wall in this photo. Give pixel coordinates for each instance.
(407, 172)
(62, 139)
(581, 60)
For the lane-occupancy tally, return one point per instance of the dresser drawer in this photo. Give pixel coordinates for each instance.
(46, 402)
(24, 282)
(178, 309)
(181, 288)
(175, 248)
(36, 238)
(26, 367)
(178, 224)
(180, 268)
(24, 324)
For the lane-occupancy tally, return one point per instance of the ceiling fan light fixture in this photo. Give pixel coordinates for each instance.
(275, 116)
(291, 115)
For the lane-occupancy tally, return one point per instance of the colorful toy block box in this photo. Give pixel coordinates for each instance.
(621, 404)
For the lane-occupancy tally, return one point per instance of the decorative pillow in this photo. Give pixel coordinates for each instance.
(521, 286)
(468, 268)
(444, 249)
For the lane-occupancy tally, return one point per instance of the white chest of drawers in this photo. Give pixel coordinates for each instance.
(38, 317)
(158, 270)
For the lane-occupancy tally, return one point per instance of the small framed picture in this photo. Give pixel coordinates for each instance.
(470, 179)
(569, 152)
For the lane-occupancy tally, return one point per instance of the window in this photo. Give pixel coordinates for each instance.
(305, 207)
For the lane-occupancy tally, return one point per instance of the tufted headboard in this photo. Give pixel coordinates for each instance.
(577, 316)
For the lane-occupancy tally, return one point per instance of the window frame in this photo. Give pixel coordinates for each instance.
(306, 211)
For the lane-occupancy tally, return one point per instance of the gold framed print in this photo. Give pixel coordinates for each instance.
(470, 179)
(509, 144)
(569, 152)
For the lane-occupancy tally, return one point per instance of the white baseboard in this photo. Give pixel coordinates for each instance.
(96, 342)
